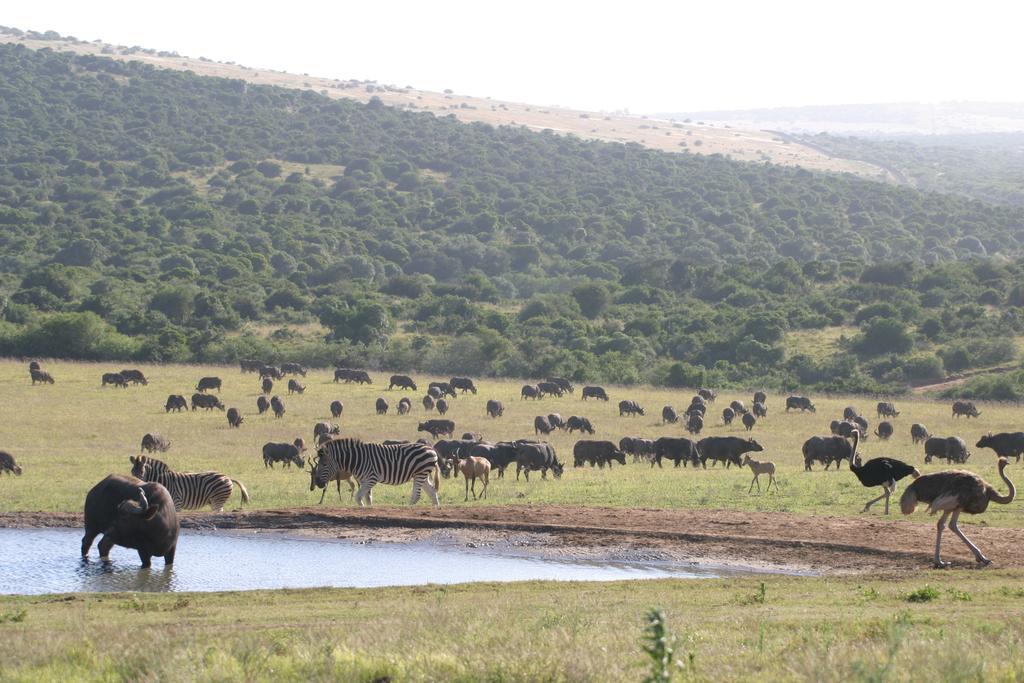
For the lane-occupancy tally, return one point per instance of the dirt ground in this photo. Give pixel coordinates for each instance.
(769, 540)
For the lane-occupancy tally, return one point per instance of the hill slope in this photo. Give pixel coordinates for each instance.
(180, 209)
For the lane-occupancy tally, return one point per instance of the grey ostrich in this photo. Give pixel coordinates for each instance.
(953, 492)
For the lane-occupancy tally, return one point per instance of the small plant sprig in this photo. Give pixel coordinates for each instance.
(659, 645)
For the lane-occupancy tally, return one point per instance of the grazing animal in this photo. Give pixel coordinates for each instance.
(697, 400)
(562, 382)
(728, 414)
(541, 425)
(348, 375)
(862, 425)
(464, 384)
(676, 449)
(494, 408)
(235, 418)
(294, 387)
(445, 388)
(669, 415)
(708, 395)
(277, 405)
(428, 403)
(382, 406)
(884, 472)
(738, 407)
(473, 469)
(374, 463)
(529, 391)
(287, 453)
(437, 427)
(886, 409)
(884, 430)
(7, 464)
(189, 490)
(727, 449)
(594, 392)
(402, 382)
(965, 408)
(597, 453)
(697, 409)
(826, 450)
(475, 437)
(135, 377)
(449, 451)
(153, 442)
(325, 428)
(918, 433)
(952, 449)
(582, 424)
(532, 456)
(434, 392)
(441, 405)
(759, 409)
(267, 385)
(556, 421)
(40, 376)
(132, 514)
(250, 365)
(207, 383)
(549, 389)
(953, 492)
(1005, 444)
(759, 468)
(760, 397)
(114, 378)
(206, 402)
(175, 402)
(33, 365)
(336, 409)
(844, 428)
(801, 403)
(500, 455)
(262, 404)
(630, 408)
(293, 369)
(271, 371)
(849, 412)
(748, 421)
(695, 424)
(405, 405)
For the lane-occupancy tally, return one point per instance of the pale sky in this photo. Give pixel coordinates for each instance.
(643, 56)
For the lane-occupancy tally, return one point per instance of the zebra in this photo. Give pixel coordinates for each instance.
(370, 463)
(189, 490)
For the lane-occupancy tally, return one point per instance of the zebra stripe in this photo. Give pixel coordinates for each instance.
(373, 463)
(189, 490)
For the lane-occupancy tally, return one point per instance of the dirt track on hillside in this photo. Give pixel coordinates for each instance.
(770, 539)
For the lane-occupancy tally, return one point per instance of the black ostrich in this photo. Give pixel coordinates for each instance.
(884, 472)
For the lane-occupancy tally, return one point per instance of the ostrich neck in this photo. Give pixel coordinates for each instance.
(1008, 498)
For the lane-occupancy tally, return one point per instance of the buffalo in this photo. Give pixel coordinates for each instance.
(728, 414)
(207, 383)
(884, 430)
(175, 402)
(630, 408)
(801, 403)
(918, 433)
(536, 456)
(500, 455)
(1006, 444)
(464, 384)
(849, 412)
(597, 453)
(437, 427)
(133, 514)
(760, 397)
(669, 415)
(336, 408)
(382, 406)
(556, 421)
(348, 375)
(886, 409)
(277, 405)
(708, 395)
(529, 391)
(206, 402)
(748, 421)
(695, 423)
(405, 405)
(549, 389)
(294, 387)
(250, 365)
(114, 378)
(965, 408)
(727, 449)
(594, 392)
(40, 376)
(271, 372)
(541, 425)
(135, 377)
(495, 408)
(579, 423)
(153, 442)
(738, 407)
(676, 449)
(287, 453)
(441, 405)
(293, 369)
(562, 382)
(953, 449)
(267, 385)
(428, 403)
(402, 382)
(7, 464)
(325, 428)
(826, 450)
(235, 418)
(262, 404)
(443, 389)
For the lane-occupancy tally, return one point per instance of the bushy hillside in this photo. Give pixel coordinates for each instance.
(157, 215)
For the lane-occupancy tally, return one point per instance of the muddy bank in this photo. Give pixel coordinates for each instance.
(784, 541)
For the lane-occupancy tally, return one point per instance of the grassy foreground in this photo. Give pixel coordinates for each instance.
(70, 435)
(961, 625)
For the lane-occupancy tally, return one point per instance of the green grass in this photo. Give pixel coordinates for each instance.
(70, 435)
(817, 344)
(853, 628)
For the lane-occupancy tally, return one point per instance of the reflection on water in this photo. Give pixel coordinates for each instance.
(36, 561)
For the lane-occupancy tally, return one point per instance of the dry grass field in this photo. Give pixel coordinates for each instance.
(669, 136)
(69, 435)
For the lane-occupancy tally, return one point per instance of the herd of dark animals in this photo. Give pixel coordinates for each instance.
(140, 511)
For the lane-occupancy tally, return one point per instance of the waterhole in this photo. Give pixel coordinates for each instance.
(35, 561)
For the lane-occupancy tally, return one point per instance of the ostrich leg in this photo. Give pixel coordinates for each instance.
(982, 560)
(939, 564)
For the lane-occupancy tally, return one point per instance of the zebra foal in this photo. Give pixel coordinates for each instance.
(373, 463)
(189, 490)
